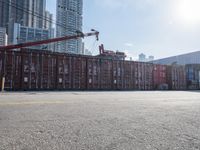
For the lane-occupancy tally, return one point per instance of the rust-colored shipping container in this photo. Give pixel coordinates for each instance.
(44, 70)
(79, 73)
(129, 76)
(143, 76)
(12, 70)
(64, 72)
(117, 75)
(93, 73)
(30, 70)
(160, 77)
(48, 71)
(106, 79)
(176, 77)
(1, 67)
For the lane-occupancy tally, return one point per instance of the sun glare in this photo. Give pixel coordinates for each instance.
(189, 11)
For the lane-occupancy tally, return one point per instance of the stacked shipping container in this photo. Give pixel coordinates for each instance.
(43, 70)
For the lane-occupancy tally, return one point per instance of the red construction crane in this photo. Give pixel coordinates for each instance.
(28, 44)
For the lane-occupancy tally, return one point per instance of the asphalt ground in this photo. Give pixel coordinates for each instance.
(100, 121)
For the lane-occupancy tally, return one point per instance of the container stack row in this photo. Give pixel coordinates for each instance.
(43, 70)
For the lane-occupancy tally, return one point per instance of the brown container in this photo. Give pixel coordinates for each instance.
(12, 70)
(106, 79)
(93, 73)
(64, 72)
(48, 71)
(143, 76)
(30, 79)
(117, 75)
(78, 72)
(1, 67)
(129, 76)
(160, 77)
(176, 77)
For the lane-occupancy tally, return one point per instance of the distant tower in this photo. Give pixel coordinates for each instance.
(151, 58)
(69, 21)
(28, 13)
(142, 57)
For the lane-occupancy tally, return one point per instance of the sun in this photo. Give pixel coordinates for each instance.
(189, 11)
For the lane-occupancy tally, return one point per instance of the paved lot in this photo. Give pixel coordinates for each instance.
(100, 120)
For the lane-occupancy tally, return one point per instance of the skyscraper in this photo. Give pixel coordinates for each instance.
(28, 13)
(4, 13)
(69, 21)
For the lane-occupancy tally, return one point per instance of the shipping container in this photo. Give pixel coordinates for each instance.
(44, 70)
(176, 77)
(64, 72)
(129, 76)
(1, 67)
(93, 73)
(30, 70)
(160, 77)
(117, 75)
(79, 73)
(106, 78)
(48, 71)
(12, 70)
(143, 76)
(193, 76)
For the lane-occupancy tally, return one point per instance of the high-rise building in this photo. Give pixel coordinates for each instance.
(48, 20)
(69, 21)
(3, 36)
(4, 13)
(28, 13)
(27, 34)
(142, 57)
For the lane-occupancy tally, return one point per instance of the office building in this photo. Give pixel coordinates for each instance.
(142, 57)
(48, 20)
(27, 34)
(28, 13)
(4, 13)
(69, 21)
(3, 36)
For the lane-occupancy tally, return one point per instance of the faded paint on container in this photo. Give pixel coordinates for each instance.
(160, 77)
(106, 78)
(93, 74)
(176, 77)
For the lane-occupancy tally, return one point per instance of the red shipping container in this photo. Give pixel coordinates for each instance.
(1, 67)
(93, 73)
(118, 74)
(106, 80)
(79, 73)
(160, 77)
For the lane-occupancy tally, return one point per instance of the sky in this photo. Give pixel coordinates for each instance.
(161, 28)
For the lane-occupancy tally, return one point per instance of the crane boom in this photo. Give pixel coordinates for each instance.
(28, 44)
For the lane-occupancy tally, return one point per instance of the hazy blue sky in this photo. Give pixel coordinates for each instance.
(155, 27)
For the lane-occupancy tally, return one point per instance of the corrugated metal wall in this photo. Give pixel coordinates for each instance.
(42, 70)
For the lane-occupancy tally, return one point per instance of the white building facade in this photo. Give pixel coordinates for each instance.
(3, 36)
(69, 21)
(24, 34)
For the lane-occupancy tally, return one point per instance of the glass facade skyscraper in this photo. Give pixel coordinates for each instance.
(69, 21)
